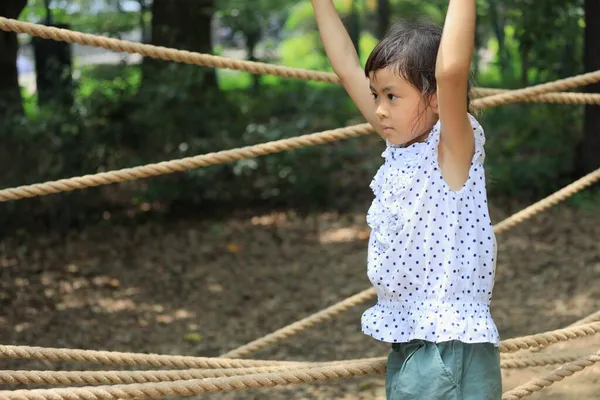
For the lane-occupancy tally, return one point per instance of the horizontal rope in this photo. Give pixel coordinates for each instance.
(168, 167)
(120, 358)
(548, 338)
(164, 53)
(196, 386)
(544, 88)
(127, 377)
(557, 375)
(556, 98)
(209, 60)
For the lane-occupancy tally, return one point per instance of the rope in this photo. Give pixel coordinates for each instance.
(536, 361)
(544, 88)
(111, 357)
(557, 375)
(557, 98)
(164, 53)
(209, 60)
(548, 338)
(189, 387)
(127, 377)
(301, 325)
(549, 201)
(167, 167)
(366, 295)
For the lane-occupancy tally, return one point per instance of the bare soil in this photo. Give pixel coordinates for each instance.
(198, 287)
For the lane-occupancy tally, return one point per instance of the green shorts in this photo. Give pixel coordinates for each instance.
(443, 371)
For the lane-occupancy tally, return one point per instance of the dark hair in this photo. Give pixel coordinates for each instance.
(410, 47)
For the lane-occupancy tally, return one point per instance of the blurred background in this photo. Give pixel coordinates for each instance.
(201, 261)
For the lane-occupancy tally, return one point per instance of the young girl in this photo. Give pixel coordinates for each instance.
(432, 250)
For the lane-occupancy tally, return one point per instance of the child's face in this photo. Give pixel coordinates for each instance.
(404, 114)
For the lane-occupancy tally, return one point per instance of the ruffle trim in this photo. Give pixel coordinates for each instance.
(400, 324)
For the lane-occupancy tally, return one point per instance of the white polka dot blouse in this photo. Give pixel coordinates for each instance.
(432, 251)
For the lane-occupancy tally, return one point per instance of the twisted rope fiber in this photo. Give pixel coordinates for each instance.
(556, 98)
(366, 295)
(537, 360)
(256, 67)
(544, 88)
(549, 201)
(301, 325)
(189, 387)
(209, 60)
(229, 155)
(164, 53)
(167, 167)
(126, 377)
(548, 338)
(557, 375)
(119, 358)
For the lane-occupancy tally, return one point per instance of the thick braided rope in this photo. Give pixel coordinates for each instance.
(548, 338)
(119, 358)
(544, 88)
(189, 387)
(209, 60)
(127, 377)
(556, 98)
(167, 167)
(301, 325)
(366, 295)
(549, 201)
(164, 53)
(537, 360)
(557, 375)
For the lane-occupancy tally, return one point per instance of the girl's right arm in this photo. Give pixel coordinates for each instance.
(344, 60)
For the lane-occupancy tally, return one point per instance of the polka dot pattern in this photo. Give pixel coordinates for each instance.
(432, 251)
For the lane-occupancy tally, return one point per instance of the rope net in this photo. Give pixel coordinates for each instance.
(230, 372)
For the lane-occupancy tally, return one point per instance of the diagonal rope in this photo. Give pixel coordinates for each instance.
(168, 167)
(189, 387)
(209, 60)
(557, 375)
(368, 294)
(164, 53)
(556, 98)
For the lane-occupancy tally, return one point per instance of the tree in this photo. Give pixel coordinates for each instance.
(253, 19)
(184, 25)
(10, 92)
(588, 159)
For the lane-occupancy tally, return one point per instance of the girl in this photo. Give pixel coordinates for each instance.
(432, 249)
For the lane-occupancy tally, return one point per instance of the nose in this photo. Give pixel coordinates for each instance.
(381, 112)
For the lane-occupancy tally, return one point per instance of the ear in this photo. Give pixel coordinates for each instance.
(433, 103)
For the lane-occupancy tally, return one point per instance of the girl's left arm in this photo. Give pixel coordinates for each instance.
(453, 65)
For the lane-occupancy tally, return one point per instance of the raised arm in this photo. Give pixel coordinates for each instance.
(452, 73)
(344, 60)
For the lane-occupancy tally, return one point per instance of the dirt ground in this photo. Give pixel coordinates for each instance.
(202, 288)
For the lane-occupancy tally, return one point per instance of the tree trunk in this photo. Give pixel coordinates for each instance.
(588, 159)
(354, 26)
(184, 25)
(10, 92)
(383, 17)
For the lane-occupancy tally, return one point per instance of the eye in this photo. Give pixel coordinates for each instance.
(375, 97)
(391, 97)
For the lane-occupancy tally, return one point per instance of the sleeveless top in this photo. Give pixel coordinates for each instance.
(432, 251)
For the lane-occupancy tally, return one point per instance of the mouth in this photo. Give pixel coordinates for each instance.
(386, 128)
